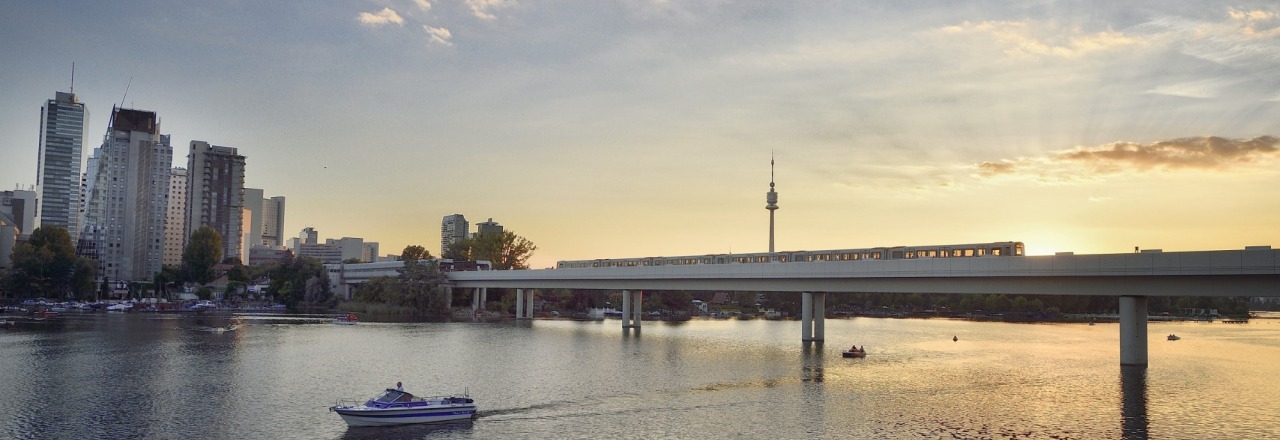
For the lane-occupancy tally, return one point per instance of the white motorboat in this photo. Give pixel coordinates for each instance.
(394, 407)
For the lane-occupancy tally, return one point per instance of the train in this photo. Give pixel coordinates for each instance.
(974, 250)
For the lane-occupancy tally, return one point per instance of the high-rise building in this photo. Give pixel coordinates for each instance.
(273, 222)
(268, 219)
(215, 193)
(63, 121)
(126, 194)
(175, 218)
(253, 203)
(452, 230)
(489, 227)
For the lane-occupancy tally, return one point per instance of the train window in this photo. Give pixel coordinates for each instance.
(996, 251)
(982, 251)
(894, 255)
(783, 258)
(910, 255)
(968, 252)
(875, 255)
(1017, 249)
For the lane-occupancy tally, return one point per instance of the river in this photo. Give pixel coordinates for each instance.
(169, 376)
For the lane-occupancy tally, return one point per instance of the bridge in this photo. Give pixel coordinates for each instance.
(1251, 272)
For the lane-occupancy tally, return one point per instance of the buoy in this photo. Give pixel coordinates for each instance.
(955, 338)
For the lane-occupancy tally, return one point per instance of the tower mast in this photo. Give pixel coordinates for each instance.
(771, 200)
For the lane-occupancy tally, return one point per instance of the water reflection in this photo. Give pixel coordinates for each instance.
(452, 429)
(1133, 384)
(811, 362)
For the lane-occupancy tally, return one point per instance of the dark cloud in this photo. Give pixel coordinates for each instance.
(1185, 153)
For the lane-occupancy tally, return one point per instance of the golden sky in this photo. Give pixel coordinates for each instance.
(641, 127)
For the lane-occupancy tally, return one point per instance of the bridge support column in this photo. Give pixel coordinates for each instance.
(806, 316)
(637, 300)
(1133, 331)
(819, 315)
(813, 311)
(626, 309)
(520, 304)
(475, 299)
(528, 305)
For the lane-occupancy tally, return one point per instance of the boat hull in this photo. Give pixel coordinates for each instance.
(853, 354)
(363, 416)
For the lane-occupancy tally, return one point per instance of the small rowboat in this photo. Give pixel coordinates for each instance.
(854, 353)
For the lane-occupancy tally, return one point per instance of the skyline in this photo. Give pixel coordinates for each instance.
(645, 128)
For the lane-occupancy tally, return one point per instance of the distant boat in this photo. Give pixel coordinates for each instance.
(349, 319)
(1173, 337)
(854, 353)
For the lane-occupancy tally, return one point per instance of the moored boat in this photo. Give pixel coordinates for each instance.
(348, 319)
(394, 407)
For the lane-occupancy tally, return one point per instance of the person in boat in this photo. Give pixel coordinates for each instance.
(855, 347)
(863, 349)
(399, 387)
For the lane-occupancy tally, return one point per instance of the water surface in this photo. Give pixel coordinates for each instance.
(157, 376)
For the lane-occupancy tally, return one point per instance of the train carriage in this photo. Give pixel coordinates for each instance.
(973, 250)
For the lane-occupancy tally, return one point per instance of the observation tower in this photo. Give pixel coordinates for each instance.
(771, 199)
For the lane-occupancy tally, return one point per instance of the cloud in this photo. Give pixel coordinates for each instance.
(1022, 38)
(439, 35)
(1194, 153)
(424, 5)
(1256, 23)
(1208, 152)
(385, 16)
(483, 9)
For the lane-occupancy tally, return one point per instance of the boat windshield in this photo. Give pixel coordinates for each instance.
(390, 396)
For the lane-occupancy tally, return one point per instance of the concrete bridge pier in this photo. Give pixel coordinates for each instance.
(528, 305)
(520, 314)
(631, 309)
(478, 298)
(813, 312)
(1133, 331)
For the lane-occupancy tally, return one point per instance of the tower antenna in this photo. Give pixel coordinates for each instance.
(73, 77)
(126, 91)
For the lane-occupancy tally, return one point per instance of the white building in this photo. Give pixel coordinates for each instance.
(63, 122)
(273, 222)
(126, 194)
(215, 194)
(175, 218)
(252, 230)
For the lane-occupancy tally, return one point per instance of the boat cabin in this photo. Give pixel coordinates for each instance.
(393, 396)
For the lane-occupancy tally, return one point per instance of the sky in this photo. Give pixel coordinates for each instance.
(627, 128)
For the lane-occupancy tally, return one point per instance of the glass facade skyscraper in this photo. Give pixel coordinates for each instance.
(63, 122)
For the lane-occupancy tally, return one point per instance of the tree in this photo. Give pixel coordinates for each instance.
(504, 250)
(82, 277)
(352, 261)
(300, 282)
(203, 251)
(45, 264)
(421, 280)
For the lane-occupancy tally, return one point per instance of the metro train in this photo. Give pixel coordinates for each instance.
(997, 249)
